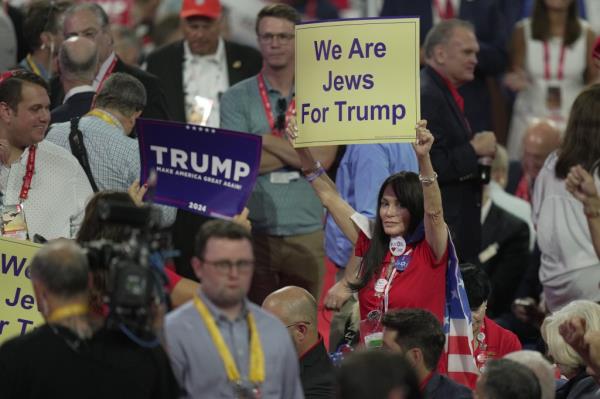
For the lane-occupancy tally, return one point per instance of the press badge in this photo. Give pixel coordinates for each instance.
(284, 177)
(553, 98)
(13, 222)
(200, 111)
(371, 330)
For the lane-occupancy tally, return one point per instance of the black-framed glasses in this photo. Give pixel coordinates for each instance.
(298, 322)
(226, 265)
(281, 37)
(281, 108)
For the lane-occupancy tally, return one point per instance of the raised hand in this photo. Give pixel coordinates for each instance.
(581, 184)
(424, 139)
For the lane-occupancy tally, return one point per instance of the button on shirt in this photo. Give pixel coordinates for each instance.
(204, 76)
(199, 368)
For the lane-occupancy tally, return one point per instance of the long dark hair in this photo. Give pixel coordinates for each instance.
(409, 192)
(581, 144)
(540, 23)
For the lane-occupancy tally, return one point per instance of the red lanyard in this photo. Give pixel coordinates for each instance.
(262, 88)
(448, 13)
(28, 174)
(561, 62)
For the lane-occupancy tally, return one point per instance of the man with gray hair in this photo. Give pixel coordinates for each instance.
(78, 61)
(541, 367)
(451, 56)
(101, 139)
(504, 378)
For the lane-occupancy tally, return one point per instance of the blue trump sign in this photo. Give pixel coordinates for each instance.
(200, 169)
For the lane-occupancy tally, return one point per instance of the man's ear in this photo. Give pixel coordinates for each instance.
(5, 112)
(439, 54)
(197, 266)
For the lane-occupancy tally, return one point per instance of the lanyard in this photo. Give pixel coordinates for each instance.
(262, 88)
(257, 359)
(561, 62)
(28, 174)
(448, 13)
(33, 66)
(108, 72)
(67, 311)
(105, 116)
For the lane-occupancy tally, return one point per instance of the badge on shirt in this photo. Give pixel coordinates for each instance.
(283, 177)
(13, 222)
(200, 111)
(397, 245)
(553, 98)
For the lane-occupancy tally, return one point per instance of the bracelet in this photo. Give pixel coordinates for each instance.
(314, 175)
(312, 170)
(428, 180)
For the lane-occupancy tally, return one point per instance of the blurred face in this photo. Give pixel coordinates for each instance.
(28, 123)
(276, 42)
(478, 315)
(538, 143)
(84, 23)
(225, 270)
(395, 219)
(457, 58)
(558, 5)
(201, 34)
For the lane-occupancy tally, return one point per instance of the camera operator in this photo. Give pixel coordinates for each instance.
(68, 357)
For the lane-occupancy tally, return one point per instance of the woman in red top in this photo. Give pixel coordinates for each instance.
(401, 262)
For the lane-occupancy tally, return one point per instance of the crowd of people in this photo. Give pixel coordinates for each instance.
(466, 263)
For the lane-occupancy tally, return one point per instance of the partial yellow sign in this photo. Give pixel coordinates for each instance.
(18, 308)
(357, 81)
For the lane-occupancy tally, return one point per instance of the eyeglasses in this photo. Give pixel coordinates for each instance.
(281, 37)
(225, 265)
(281, 108)
(296, 323)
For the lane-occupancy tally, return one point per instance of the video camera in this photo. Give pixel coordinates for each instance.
(129, 268)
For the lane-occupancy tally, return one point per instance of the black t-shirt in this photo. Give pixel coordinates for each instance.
(51, 362)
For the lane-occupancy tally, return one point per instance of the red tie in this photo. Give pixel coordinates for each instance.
(449, 10)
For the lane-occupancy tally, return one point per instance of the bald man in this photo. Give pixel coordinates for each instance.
(78, 63)
(541, 138)
(297, 309)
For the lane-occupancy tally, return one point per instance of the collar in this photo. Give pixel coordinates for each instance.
(458, 99)
(270, 88)
(77, 90)
(111, 118)
(485, 209)
(217, 314)
(218, 57)
(104, 67)
(423, 384)
(312, 348)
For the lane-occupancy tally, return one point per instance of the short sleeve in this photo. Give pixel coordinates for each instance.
(362, 245)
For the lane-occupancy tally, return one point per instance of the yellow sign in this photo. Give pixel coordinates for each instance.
(357, 81)
(18, 308)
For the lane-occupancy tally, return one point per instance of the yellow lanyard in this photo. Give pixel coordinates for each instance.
(33, 66)
(67, 311)
(106, 117)
(257, 359)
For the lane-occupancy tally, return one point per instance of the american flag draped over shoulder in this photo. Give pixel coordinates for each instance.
(458, 351)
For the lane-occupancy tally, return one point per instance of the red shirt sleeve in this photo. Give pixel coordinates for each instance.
(362, 245)
(173, 278)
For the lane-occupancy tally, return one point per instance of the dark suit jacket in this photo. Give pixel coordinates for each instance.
(317, 373)
(492, 35)
(442, 387)
(76, 105)
(156, 104)
(508, 266)
(455, 162)
(167, 64)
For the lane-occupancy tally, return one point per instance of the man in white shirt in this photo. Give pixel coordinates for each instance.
(38, 176)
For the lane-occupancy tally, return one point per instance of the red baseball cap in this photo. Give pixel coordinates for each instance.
(201, 8)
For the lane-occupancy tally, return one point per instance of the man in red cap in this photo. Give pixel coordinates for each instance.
(194, 72)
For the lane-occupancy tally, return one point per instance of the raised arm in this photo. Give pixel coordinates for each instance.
(581, 184)
(436, 232)
(326, 190)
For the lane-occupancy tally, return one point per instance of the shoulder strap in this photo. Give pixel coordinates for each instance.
(78, 149)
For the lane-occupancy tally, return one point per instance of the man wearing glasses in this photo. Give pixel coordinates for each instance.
(297, 309)
(221, 344)
(285, 213)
